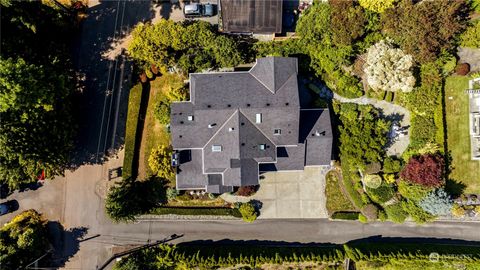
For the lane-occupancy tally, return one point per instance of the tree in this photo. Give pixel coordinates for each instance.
(426, 170)
(189, 45)
(372, 181)
(347, 21)
(388, 68)
(437, 203)
(378, 6)
(23, 239)
(160, 162)
(471, 37)
(36, 131)
(425, 28)
(130, 198)
(248, 211)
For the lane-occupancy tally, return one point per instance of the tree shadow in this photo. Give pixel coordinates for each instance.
(65, 243)
(102, 99)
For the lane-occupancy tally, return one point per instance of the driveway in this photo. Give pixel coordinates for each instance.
(299, 194)
(173, 10)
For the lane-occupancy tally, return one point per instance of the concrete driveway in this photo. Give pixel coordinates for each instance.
(299, 194)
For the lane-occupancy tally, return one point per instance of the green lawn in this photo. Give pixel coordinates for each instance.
(131, 130)
(336, 200)
(464, 169)
(155, 132)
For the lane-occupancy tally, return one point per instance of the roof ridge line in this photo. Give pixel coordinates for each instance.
(258, 130)
(260, 81)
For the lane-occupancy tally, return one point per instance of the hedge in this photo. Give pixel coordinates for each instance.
(196, 211)
(134, 101)
(215, 255)
(345, 215)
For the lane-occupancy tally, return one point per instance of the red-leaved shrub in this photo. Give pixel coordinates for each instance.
(462, 69)
(426, 170)
(246, 191)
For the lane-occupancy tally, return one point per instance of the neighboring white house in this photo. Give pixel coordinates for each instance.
(474, 100)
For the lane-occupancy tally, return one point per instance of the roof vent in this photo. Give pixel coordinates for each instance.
(268, 104)
(231, 129)
(242, 124)
(243, 144)
(317, 134)
(181, 122)
(248, 104)
(286, 104)
(209, 106)
(229, 105)
(212, 125)
(180, 136)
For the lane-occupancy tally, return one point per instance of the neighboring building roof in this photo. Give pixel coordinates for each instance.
(235, 121)
(251, 16)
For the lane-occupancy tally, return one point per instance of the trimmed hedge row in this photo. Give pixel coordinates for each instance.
(345, 215)
(217, 255)
(134, 102)
(196, 211)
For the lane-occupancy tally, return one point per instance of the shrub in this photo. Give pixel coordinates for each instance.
(372, 181)
(413, 192)
(471, 37)
(248, 211)
(381, 194)
(378, 6)
(160, 162)
(388, 68)
(370, 211)
(396, 213)
(462, 69)
(246, 191)
(345, 215)
(362, 218)
(449, 64)
(391, 165)
(416, 212)
(172, 193)
(389, 96)
(426, 170)
(424, 29)
(458, 210)
(389, 178)
(373, 168)
(437, 203)
(382, 215)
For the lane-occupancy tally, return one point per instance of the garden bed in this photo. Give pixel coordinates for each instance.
(337, 200)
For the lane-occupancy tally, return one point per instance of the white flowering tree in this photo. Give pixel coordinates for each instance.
(388, 68)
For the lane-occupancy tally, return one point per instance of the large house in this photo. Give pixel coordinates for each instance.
(238, 122)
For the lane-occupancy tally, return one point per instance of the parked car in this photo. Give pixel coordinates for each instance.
(198, 10)
(8, 207)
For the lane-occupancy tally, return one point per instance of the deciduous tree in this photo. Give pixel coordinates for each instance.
(426, 170)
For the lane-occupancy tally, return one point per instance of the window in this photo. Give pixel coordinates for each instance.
(277, 131)
(190, 118)
(262, 147)
(216, 148)
(258, 118)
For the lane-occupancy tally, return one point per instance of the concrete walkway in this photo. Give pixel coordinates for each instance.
(296, 194)
(391, 110)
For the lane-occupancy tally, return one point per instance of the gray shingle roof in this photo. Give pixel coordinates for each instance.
(222, 115)
(252, 16)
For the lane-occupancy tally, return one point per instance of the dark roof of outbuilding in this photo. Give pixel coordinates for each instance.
(251, 16)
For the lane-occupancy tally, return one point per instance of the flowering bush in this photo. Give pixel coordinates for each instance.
(388, 68)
